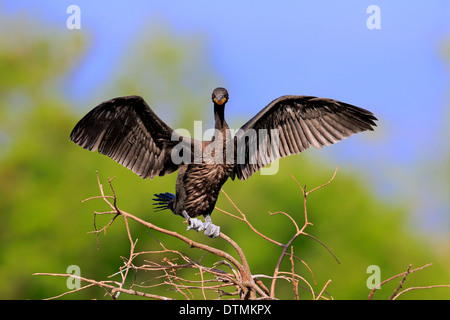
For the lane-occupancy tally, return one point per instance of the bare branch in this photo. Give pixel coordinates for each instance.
(323, 289)
(103, 284)
(420, 288)
(396, 294)
(244, 218)
(401, 283)
(228, 276)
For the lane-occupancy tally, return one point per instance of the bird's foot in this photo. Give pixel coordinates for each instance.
(194, 223)
(211, 230)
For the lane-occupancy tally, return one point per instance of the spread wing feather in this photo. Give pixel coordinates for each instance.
(128, 131)
(299, 122)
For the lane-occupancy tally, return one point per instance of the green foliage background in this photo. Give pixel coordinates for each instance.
(43, 178)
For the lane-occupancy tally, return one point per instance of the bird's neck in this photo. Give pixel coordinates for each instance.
(219, 117)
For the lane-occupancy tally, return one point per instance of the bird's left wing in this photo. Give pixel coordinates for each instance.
(297, 123)
(128, 131)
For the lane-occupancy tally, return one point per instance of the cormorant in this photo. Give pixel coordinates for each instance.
(128, 131)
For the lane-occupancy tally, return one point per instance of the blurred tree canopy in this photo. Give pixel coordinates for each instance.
(44, 177)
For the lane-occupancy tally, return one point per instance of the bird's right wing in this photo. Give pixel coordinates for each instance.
(129, 132)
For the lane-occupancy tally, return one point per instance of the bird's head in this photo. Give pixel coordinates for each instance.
(220, 96)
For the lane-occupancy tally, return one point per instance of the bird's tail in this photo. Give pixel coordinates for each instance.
(163, 201)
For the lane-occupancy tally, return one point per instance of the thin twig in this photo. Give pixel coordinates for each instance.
(244, 218)
(400, 285)
(294, 282)
(420, 288)
(102, 284)
(396, 276)
(328, 249)
(323, 289)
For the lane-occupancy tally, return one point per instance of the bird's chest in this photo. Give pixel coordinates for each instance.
(206, 178)
(200, 186)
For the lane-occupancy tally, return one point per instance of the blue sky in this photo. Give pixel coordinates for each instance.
(265, 49)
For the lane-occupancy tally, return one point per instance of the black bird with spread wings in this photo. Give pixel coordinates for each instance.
(128, 131)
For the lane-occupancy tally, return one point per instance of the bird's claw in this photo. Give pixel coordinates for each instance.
(211, 230)
(196, 224)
